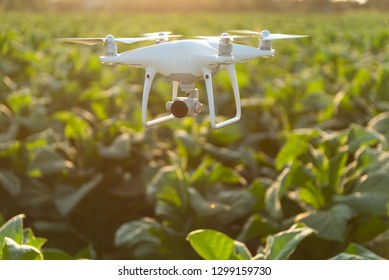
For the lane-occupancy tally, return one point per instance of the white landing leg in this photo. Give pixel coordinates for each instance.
(207, 74)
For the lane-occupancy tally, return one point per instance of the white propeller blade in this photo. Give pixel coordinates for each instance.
(85, 41)
(281, 36)
(217, 38)
(160, 35)
(110, 38)
(266, 35)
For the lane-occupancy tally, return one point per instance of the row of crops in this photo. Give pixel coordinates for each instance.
(303, 175)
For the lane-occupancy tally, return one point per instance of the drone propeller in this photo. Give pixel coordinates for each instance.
(108, 39)
(223, 37)
(161, 34)
(267, 36)
(160, 37)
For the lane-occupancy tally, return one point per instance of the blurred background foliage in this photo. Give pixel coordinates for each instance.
(195, 5)
(306, 166)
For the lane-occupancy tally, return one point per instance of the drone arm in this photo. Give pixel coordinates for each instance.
(150, 74)
(234, 82)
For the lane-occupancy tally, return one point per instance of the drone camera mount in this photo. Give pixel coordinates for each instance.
(185, 106)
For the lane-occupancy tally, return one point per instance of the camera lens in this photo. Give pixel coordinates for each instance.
(179, 109)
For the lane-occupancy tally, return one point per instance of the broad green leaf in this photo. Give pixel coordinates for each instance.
(142, 237)
(167, 176)
(357, 249)
(380, 123)
(36, 121)
(228, 135)
(292, 149)
(223, 174)
(356, 252)
(30, 239)
(359, 136)
(9, 148)
(187, 145)
(371, 196)
(256, 226)
(241, 252)
(366, 156)
(313, 196)
(275, 192)
(76, 127)
(120, 148)
(20, 100)
(330, 224)
(13, 228)
(204, 208)
(281, 245)
(47, 162)
(170, 195)
(211, 244)
(14, 251)
(67, 198)
(337, 165)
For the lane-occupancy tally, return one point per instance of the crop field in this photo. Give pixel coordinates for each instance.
(303, 175)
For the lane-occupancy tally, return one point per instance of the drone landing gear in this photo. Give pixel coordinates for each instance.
(234, 82)
(181, 107)
(150, 74)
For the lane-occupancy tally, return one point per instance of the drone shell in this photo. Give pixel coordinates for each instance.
(184, 60)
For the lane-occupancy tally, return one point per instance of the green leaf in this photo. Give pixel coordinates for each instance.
(67, 198)
(275, 192)
(371, 196)
(14, 251)
(120, 148)
(330, 224)
(20, 100)
(13, 228)
(241, 252)
(187, 145)
(142, 237)
(228, 135)
(356, 252)
(256, 226)
(47, 162)
(211, 244)
(380, 123)
(30, 239)
(76, 127)
(223, 174)
(292, 149)
(281, 245)
(37, 120)
(361, 136)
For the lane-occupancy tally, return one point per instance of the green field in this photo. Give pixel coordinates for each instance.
(303, 175)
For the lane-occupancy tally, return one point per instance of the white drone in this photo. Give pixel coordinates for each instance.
(184, 62)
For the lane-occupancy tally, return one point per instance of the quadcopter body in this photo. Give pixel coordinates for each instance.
(185, 62)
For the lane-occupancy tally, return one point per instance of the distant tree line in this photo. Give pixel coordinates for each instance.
(189, 5)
